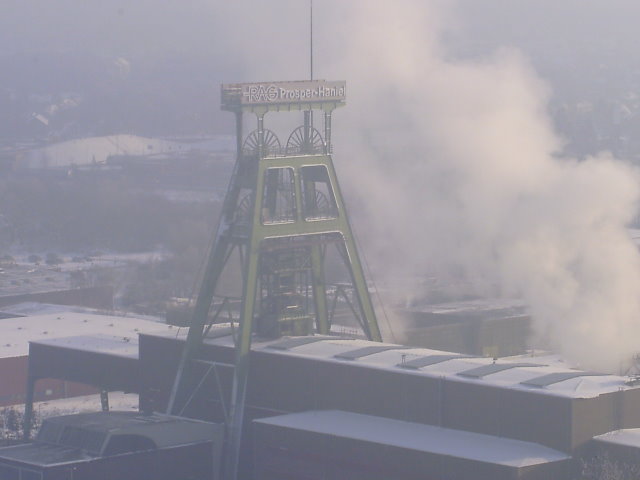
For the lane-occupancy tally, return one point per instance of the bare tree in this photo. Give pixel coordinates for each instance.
(603, 467)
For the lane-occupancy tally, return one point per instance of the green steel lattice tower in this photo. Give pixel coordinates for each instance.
(282, 210)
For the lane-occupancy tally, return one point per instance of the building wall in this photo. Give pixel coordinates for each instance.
(286, 384)
(281, 383)
(100, 297)
(13, 382)
(485, 337)
(538, 418)
(294, 384)
(193, 461)
(606, 413)
(102, 370)
(287, 453)
(630, 407)
(159, 358)
(595, 417)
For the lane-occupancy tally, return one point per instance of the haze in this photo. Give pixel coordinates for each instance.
(493, 139)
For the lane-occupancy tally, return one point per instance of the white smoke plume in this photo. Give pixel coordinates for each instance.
(458, 167)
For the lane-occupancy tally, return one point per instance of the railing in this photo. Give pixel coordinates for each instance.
(271, 152)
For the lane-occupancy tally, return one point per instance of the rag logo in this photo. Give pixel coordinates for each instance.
(261, 93)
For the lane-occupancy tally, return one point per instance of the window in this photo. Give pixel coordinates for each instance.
(76, 437)
(278, 196)
(318, 199)
(128, 443)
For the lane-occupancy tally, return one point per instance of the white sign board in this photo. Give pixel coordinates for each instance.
(284, 92)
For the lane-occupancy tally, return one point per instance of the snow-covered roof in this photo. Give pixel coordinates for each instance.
(417, 436)
(629, 437)
(545, 375)
(16, 333)
(97, 343)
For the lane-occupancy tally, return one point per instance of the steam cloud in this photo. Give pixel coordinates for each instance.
(458, 168)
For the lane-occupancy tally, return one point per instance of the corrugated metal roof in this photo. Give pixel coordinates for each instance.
(16, 333)
(121, 346)
(294, 342)
(420, 437)
(366, 351)
(485, 370)
(557, 377)
(629, 437)
(440, 364)
(416, 363)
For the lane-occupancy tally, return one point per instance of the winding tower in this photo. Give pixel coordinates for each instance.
(283, 209)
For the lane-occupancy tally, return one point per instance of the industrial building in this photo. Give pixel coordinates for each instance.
(330, 407)
(299, 401)
(486, 327)
(53, 328)
(535, 401)
(345, 445)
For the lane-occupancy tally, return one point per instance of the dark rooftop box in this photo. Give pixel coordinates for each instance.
(115, 445)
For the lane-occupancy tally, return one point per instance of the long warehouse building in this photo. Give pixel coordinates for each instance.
(329, 407)
(393, 402)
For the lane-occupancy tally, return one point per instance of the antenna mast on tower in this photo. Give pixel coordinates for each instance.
(311, 38)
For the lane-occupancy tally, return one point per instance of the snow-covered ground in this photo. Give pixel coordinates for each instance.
(87, 403)
(96, 150)
(77, 330)
(81, 261)
(11, 417)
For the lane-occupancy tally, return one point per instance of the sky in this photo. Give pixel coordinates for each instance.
(117, 27)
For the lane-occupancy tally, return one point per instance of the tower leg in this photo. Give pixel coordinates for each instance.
(218, 255)
(104, 400)
(28, 407)
(319, 290)
(215, 265)
(352, 261)
(241, 372)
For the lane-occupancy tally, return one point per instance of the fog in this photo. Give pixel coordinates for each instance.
(448, 144)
